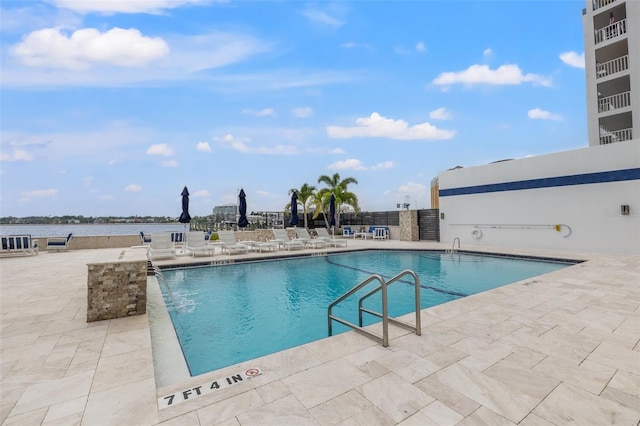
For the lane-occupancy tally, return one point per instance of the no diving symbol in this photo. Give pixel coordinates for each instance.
(252, 372)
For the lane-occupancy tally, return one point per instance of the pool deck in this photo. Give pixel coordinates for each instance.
(561, 348)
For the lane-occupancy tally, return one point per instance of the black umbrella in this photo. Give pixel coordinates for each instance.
(184, 217)
(242, 220)
(294, 209)
(332, 211)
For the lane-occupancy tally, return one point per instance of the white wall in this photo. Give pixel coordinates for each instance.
(525, 217)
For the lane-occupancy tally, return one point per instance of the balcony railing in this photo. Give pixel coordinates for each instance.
(613, 136)
(611, 31)
(613, 66)
(597, 4)
(619, 100)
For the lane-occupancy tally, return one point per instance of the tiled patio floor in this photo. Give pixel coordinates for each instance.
(563, 348)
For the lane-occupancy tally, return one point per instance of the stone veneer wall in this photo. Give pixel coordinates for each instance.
(116, 289)
(409, 230)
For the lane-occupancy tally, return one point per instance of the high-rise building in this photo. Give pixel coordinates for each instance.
(612, 65)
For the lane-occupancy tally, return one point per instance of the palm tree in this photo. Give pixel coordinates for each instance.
(339, 188)
(306, 197)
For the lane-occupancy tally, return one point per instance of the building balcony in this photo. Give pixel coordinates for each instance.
(597, 4)
(610, 32)
(614, 102)
(613, 66)
(613, 136)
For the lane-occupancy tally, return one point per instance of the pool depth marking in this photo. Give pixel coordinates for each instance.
(206, 388)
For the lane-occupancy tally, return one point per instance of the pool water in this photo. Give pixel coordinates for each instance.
(227, 314)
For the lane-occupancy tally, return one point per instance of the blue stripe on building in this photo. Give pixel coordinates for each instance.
(582, 179)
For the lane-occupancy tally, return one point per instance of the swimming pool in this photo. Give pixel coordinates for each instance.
(227, 314)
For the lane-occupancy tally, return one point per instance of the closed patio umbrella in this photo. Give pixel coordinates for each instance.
(332, 212)
(242, 220)
(184, 216)
(294, 209)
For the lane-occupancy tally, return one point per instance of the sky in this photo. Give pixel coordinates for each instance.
(109, 108)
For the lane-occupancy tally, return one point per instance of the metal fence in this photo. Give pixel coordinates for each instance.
(428, 221)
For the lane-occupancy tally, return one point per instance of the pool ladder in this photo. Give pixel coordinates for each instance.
(453, 246)
(384, 339)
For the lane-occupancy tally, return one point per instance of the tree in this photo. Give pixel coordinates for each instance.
(340, 189)
(306, 197)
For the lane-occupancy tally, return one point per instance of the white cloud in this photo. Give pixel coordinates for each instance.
(412, 187)
(355, 45)
(111, 7)
(384, 165)
(202, 193)
(321, 17)
(487, 53)
(482, 74)
(261, 113)
(401, 50)
(377, 126)
(160, 149)
(350, 164)
(302, 112)
(336, 151)
(133, 188)
(50, 48)
(16, 155)
(38, 193)
(573, 59)
(169, 163)
(241, 145)
(203, 147)
(187, 57)
(539, 114)
(440, 114)
(420, 47)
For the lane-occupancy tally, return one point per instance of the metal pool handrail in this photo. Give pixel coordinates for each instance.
(384, 339)
(417, 328)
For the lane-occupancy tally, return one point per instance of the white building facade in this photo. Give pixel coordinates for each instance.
(581, 200)
(612, 59)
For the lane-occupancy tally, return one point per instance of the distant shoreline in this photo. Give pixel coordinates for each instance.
(86, 229)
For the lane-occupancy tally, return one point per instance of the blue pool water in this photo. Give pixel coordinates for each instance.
(224, 315)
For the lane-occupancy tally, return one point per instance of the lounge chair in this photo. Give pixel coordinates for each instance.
(145, 239)
(177, 238)
(347, 231)
(20, 244)
(229, 243)
(323, 234)
(59, 243)
(303, 234)
(197, 244)
(282, 237)
(380, 233)
(161, 246)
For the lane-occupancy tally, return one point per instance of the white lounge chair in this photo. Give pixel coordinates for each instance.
(331, 240)
(229, 243)
(59, 243)
(197, 244)
(282, 237)
(20, 244)
(303, 234)
(380, 234)
(145, 239)
(161, 246)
